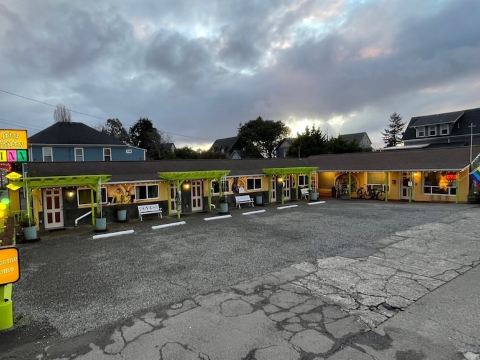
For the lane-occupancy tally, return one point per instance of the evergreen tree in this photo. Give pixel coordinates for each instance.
(114, 127)
(392, 135)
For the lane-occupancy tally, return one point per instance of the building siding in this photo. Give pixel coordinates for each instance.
(90, 153)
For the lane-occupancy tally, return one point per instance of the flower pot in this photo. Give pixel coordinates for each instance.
(100, 224)
(122, 215)
(30, 233)
(223, 208)
(259, 199)
(313, 196)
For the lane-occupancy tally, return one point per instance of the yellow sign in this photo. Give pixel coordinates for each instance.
(13, 139)
(13, 186)
(9, 265)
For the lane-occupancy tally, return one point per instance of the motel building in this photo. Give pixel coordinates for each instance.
(65, 194)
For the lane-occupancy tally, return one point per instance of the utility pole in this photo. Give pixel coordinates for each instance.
(471, 189)
(471, 126)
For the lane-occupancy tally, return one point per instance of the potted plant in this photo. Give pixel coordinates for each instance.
(223, 208)
(100, 221)
(121, 214)
(29, 228)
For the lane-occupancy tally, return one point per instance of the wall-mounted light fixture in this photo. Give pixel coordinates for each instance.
(70, 194)
(280, 180)
(186, 186)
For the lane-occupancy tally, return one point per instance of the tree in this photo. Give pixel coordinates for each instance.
(114, 127)
(144, 135)
(392, 135)
(310, 142)
(188, 153)
(62, 114)
(339, 146)
(262, 135)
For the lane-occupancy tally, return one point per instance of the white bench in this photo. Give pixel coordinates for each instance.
(243, 199)
(305, 193)
(149, 209)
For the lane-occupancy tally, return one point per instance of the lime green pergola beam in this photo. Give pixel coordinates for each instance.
(289, 170)
(193, 175)
(65, 181)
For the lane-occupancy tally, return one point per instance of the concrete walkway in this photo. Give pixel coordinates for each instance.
(417, 298)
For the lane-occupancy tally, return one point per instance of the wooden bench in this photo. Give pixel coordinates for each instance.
(149, 209)
(305, 193)
(243, 199)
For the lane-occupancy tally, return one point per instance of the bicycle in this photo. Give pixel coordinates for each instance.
(371, 194)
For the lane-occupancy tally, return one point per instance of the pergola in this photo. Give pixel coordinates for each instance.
(281, 172)
(179, 177)
(93, 182)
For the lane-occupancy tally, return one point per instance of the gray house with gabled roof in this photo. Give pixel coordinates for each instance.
(75, 141)
(362, 139)
(445, 129)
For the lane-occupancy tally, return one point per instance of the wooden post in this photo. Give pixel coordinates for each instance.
(296, 187)
(92, 201)
(457, 185)
(210, 194)
(387, 185)
(179, 200)
(410, 188)
(270, 189)
(169, 198)
(350, 185)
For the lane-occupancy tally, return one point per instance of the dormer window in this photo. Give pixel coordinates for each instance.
(432, 131)
(421, 131)
(444, 129)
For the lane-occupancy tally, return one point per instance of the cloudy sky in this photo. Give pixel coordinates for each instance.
(199, 68)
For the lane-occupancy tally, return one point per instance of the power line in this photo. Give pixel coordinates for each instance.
(87, 114)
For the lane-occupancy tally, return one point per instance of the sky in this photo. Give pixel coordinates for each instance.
(198, 69)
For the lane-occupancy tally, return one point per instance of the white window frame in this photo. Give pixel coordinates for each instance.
(43, 153)
(224, 183)
(419, 130)
(432, 127)
(254, 178)
(146, 193)
(104, 199)
(444, 127)
(75, 154)
(304, 182)
(110, 153)
(314, 181)
(431, 187)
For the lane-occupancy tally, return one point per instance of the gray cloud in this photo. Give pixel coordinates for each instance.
(201, 68)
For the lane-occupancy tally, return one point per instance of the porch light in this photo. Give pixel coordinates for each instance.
(186, 186)
(70, 194)
(280, 180)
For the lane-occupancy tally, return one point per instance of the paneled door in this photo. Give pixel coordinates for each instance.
(53, 208)
(287, 183)
(197, 199)
(274, 188)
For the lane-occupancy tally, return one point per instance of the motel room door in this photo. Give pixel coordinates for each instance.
(53, 208)
(197, 199)
(274, 188)
(406, 186)
(287, 183)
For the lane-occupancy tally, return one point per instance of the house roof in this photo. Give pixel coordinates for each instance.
(70, 133)
(436, 119)
(226, 144)
(401, 160)
(447, 158)
(357, 137)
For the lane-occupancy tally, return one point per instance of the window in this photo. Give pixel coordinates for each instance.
(254, 183)
(440, 183)
(421, 131)
(84, 197)
(216, 186)
(444, 129)
(432, 131)
(107, 154)
(314, 181)
(47, 153)
(302, 180)
(78, 154)
(146, 192)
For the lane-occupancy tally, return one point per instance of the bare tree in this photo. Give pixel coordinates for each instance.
(62, 114)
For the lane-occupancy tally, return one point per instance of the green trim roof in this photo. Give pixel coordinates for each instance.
(193, 175)
(290, 170)
(64, 181)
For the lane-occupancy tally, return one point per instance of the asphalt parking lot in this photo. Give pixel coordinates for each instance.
(72, 284)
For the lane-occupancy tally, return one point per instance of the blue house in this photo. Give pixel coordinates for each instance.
(74, 141)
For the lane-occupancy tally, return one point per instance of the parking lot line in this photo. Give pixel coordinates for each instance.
(107, 235)
(217, 217)
(286, 207)
(254, 212)
(163, 226)
(316, 202)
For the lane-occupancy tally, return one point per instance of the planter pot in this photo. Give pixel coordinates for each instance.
(122, 215)
(223, 208)
(100, 224)
(30, 233)
(259, 199)
(313, 196)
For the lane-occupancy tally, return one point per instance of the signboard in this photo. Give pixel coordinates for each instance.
(13, 139)
(9, 265)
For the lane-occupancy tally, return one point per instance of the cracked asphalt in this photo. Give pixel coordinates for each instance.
(333, 272)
